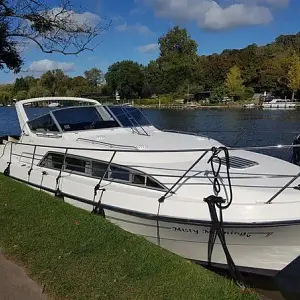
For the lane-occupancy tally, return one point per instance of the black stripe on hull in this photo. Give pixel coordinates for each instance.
(164, 218)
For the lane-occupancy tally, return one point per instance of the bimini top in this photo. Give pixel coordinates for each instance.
(89, 117)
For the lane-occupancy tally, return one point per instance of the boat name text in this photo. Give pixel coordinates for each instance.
(227, 232)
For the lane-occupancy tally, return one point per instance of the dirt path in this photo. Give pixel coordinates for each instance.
(15, 284)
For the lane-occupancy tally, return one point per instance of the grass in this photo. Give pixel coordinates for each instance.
(77, 255)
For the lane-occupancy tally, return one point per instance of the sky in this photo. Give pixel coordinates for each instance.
(137, 24)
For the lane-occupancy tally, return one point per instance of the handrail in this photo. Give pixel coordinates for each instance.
(104, 143)
(162, 150)
(180, 177)
(250, 175)
(185, 132)
(130, 117)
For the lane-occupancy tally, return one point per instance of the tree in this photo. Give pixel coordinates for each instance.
(20, 85)
(94, 76)
(21, 95)
(218, 93)
(294, 75)
(5, 97)
(177, 43)
(126, 77)
(35, 92)
(61, 29)
(53, 81)
(178, 55)
(153, 79)
(234, 82)
(79, 81)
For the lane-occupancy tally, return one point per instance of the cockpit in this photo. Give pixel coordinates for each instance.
(88, 118)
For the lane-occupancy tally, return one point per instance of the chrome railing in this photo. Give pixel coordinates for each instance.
(36, 157)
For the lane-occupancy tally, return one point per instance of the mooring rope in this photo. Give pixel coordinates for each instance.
(214, 202)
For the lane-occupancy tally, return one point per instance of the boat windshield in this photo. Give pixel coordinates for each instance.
(83, 118)
(129, 116)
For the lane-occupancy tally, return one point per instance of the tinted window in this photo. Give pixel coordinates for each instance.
(139, 179)
(99, 168)
(53, 161)
(81, 118)
(129, 116)
(43, 124)
(119, 173)
(153, 184)
(76, 164)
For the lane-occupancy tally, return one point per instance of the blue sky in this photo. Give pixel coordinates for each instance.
(137, 25)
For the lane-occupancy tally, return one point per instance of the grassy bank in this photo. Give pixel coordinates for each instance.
(77, 255)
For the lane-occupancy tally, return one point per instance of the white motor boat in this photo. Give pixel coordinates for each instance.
(249, 105)
(53, 104)
(111, 160)
(279, 103)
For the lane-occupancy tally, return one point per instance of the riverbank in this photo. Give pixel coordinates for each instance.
(77, 255)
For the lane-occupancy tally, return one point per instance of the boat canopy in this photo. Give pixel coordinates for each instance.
(89, 117)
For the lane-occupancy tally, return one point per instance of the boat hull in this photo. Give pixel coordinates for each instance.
(279, 105)
(259, 248)
(264, 250)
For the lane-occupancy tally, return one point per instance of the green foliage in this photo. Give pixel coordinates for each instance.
(94, 76)
(36, 91)
(234, 82)
(178, 54)
(5, 97)
(218, 94)
(21, 95)
(294, 74)
(20, 85)
(177, 44)
(126, 77)
(248, 93)
(179, 71)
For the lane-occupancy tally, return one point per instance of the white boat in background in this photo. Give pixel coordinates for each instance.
(112, 161)
(53, 104)
(249, 105)
(279, 103)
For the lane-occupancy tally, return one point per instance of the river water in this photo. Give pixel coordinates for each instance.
(239, 127)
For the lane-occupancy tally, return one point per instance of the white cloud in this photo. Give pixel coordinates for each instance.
(148, 48)
(211, 15)
(80, 19)
(141, 29)
(44, 65)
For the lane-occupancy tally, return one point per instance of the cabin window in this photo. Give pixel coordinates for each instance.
(53, 161)
(76, 164)
(99, 169)
(119, 173)
(139, 179)
(153, 184)
(43, 124)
